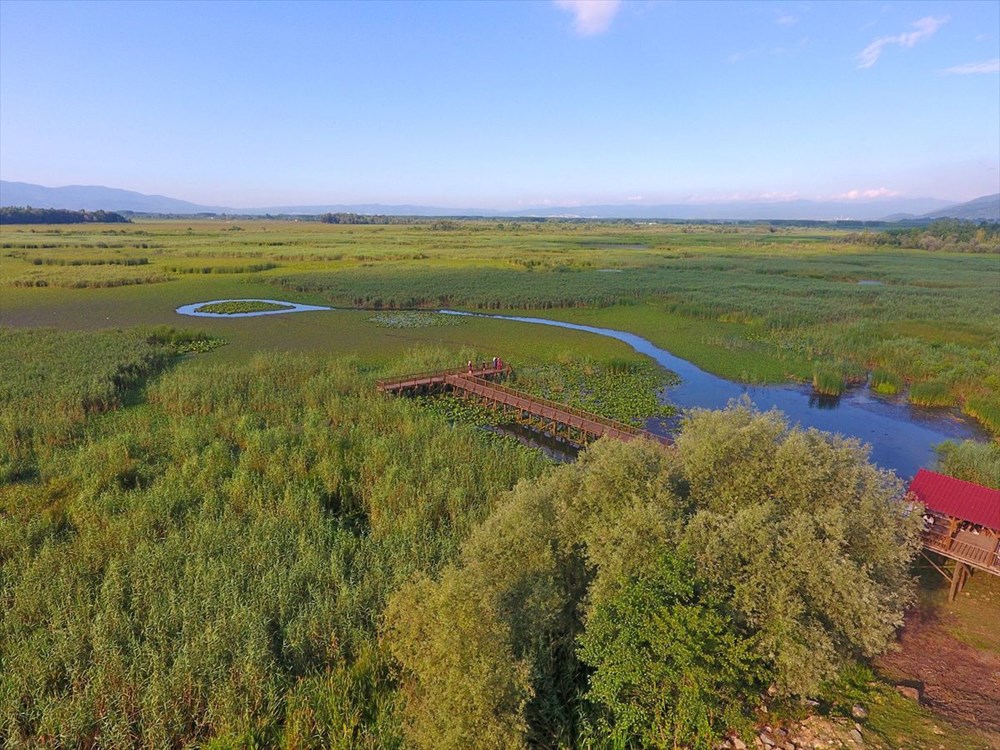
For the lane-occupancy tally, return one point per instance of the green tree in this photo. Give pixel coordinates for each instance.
(669, 665)
(802, 550)
(811, 543)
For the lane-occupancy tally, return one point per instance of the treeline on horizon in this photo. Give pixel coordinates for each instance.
(30, 215)
(951, 235)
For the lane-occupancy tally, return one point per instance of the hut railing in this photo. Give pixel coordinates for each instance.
(979, 554)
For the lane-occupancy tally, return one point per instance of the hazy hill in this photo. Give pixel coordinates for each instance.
(750, 211)
(91, 198)
(985, 208)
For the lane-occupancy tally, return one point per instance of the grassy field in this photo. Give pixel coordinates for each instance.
(759, 304)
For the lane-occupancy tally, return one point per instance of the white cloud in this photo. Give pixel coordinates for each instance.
(924, 29)
(987, 66)
(634, 198)
(786, 20)
(590, 17)
(854, 195)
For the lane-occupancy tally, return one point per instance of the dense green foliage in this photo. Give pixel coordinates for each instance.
(948, 235)
(29, 215)
(235, 551)
(243, 554)
(50, 381)
(971, 461)
(262, 551)
(802, 546)
(668, 663)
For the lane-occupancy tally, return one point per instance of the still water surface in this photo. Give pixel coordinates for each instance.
(902, 436)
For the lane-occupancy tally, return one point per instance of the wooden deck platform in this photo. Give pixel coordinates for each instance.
(975, 550)
(575, 426)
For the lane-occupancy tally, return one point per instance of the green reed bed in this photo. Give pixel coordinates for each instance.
(53, 380)
(211, 564)
(931, 393)
(828, 380)
(234, 268)
(886, 383)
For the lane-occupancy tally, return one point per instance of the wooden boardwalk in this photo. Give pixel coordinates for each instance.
(575, 426)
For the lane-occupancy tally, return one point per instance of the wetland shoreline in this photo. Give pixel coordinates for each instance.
(902, 436)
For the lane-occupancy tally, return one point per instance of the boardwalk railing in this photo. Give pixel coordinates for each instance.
(543, 407)
(403, 382)
(477, 383)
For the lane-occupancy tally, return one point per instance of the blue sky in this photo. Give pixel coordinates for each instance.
(503, 104)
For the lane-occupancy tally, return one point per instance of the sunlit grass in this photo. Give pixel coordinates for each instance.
(752, 303)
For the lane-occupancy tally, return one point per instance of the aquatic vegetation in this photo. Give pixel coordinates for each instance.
(828, 380)
(622, 390)
(415, 319)
(886, 383)
(233, 307)
(231, 268)
(252, 518)
(931, 393)
(755, 303)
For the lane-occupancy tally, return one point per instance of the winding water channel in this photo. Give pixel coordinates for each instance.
(902, 436)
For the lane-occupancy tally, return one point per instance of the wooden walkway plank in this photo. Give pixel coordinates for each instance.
(478, 383)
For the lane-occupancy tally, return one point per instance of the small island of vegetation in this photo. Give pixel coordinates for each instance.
(236, 307)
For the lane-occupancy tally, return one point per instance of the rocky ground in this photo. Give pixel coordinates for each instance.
(812, 733)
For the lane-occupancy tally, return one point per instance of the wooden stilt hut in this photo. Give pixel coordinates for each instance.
(961, 525)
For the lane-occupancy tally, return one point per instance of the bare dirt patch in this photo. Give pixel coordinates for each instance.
(957, 681)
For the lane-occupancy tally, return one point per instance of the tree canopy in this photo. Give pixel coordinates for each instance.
(660, 590)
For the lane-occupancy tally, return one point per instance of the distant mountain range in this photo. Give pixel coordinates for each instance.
(93, 198)
(985, 208)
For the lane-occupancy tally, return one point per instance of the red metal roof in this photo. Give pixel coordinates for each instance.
(958, 498)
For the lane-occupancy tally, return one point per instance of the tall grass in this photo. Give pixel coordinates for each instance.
(210, 564)
(828, 380)
(886, 383)
(931, 393)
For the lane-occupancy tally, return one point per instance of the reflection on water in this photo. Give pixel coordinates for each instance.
(902, 436)
(823, 401)
(556, 449)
